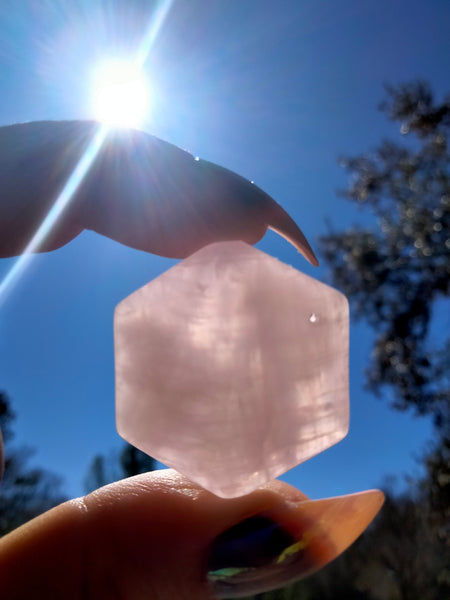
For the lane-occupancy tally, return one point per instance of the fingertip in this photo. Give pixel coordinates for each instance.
(161, 535)
(287, 543)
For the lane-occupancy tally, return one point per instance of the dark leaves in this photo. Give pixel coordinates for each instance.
(25, 491)
(395, 272)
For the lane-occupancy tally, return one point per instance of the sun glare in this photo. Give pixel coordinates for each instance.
(120, 95)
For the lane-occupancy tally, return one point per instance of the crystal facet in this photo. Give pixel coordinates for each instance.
(232, 367)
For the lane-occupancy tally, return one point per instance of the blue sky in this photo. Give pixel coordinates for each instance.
(273, 90)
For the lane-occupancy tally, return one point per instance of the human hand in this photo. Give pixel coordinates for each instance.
(160, 536)
(137, 190)
(157, 535)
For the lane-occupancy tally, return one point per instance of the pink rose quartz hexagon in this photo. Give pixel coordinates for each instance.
(232, 367)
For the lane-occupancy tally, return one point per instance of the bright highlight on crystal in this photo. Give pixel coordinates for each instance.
(121, 95)
(222, 374)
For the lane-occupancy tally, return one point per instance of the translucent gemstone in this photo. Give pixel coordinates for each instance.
(232, 367)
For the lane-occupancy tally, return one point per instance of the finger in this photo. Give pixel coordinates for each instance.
(134, 188)
(160, 536)
(36, 162)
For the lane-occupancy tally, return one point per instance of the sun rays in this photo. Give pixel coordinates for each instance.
(120, 98)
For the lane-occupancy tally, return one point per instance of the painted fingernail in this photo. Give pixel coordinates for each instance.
(255, 554)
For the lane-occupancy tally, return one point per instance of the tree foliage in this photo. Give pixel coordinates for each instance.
(25, 491)
(107, 469)
(395, 273)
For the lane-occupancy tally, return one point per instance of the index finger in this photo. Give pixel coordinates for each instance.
(60, 177)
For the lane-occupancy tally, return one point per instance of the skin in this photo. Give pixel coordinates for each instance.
(144, 537)
(148, 536)
(139, 191)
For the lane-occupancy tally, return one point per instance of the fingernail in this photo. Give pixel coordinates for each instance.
(255, 555)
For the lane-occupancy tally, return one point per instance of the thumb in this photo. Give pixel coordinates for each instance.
(160, 536)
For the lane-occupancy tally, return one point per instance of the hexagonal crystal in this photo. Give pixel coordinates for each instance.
(232, 367)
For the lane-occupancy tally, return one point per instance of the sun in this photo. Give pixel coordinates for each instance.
(120, 94)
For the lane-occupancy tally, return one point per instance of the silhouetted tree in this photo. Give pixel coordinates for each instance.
(394, 272)
(130, 461)
(25, 492)
(436, 484)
